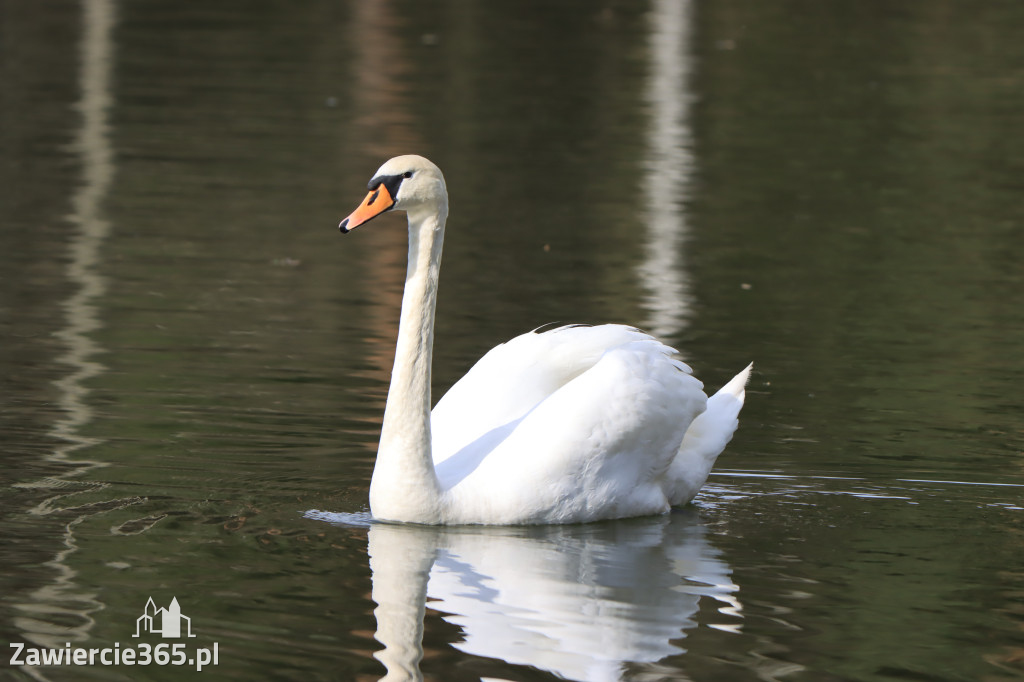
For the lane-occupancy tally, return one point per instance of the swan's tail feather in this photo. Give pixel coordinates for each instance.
(706, 438)
(711, 431)
(737, 385)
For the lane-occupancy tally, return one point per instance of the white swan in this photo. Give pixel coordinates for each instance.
(569, 425)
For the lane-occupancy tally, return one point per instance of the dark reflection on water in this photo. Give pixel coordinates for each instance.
(192, 358)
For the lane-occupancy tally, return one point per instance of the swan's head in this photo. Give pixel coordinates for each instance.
(405, 183)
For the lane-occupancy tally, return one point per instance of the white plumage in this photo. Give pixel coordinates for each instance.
(568, 425)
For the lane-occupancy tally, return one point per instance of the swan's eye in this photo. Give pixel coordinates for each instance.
(407, 174)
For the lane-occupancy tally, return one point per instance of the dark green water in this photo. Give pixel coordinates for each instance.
(193, 360)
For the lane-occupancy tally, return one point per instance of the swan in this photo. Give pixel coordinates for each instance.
(569, 425)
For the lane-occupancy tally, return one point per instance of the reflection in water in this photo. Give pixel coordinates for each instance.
(60, 612)
(95, 153)
(383, 126)
(668, 168)
(384, 122)
(581, 602)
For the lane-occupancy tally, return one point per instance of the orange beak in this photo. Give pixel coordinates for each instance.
(375, 203)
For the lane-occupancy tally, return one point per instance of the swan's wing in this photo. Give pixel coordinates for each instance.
(596, 447)
(516, 376)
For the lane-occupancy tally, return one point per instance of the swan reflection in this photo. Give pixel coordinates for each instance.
(578, 601)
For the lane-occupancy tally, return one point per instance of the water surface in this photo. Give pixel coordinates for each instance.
(194, 362)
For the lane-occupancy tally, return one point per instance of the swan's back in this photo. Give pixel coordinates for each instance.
(574, 424)
(516, 376)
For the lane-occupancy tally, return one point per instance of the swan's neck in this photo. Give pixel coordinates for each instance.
(404, 486)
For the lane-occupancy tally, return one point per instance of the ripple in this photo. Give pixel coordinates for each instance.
(350, 519)
(746, 484)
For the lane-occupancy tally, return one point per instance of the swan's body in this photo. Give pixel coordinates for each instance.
(569, 425)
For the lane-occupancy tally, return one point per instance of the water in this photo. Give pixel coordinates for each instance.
(194, 362)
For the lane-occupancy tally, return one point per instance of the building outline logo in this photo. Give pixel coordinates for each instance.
(167, 622)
